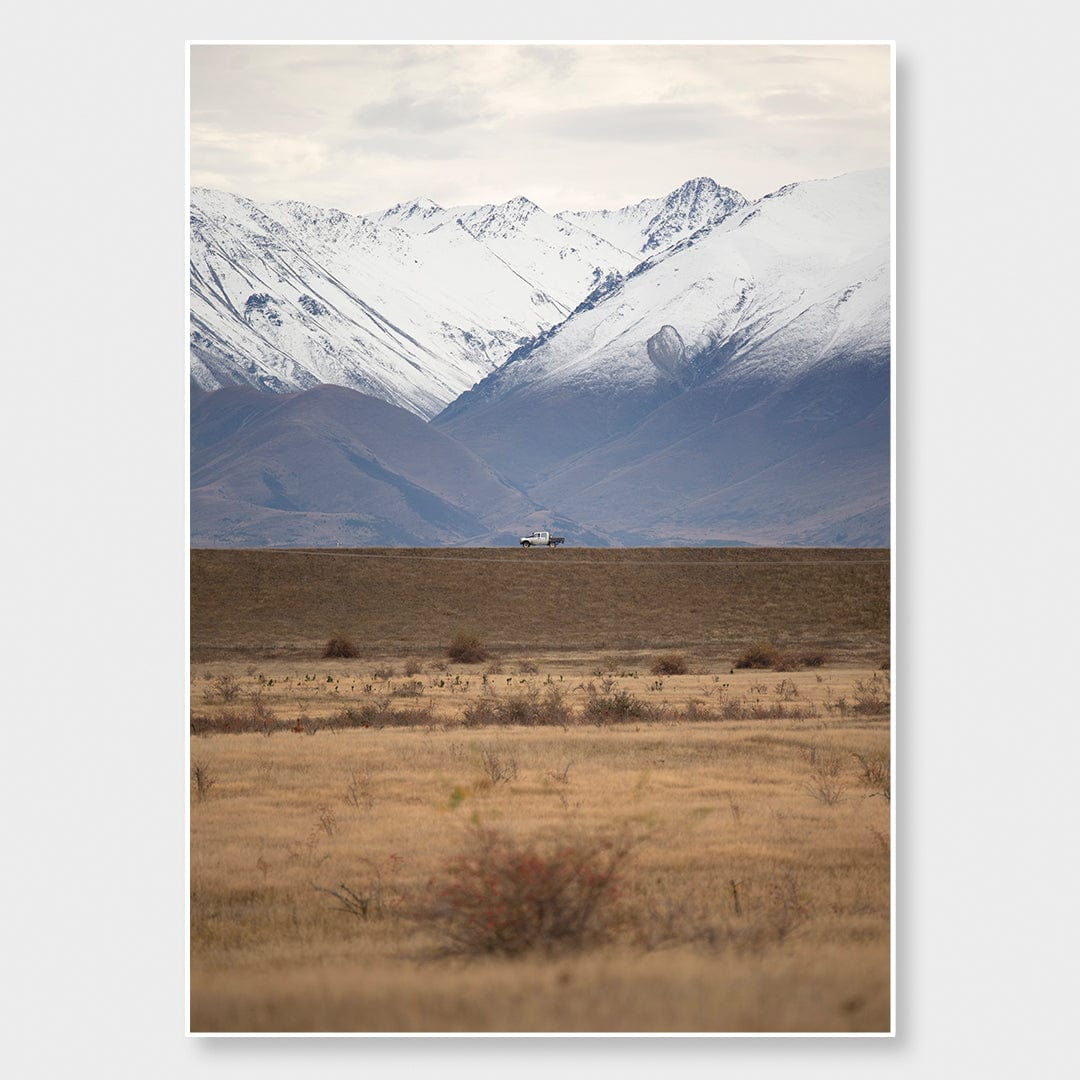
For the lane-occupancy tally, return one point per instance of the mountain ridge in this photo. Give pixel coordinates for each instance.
(286, 295)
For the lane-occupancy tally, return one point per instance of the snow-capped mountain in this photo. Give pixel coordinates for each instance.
(651, 225)
(413, 306)
(709, 373)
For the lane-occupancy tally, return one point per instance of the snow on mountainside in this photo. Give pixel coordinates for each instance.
(683, 400)
(563, 259)
(797, 276)
(415, 216)
(653, 224)
(557, 257)
(285, 296)
(412, 306)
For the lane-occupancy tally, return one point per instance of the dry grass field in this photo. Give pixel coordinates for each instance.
(560, 837)
(271, 602)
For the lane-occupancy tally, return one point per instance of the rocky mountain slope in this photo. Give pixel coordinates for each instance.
(651, 225)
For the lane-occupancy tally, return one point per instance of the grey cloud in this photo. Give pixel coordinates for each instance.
(811, 103)
(800, 58)
(418, 145)
(552, 60)
(800, 103)
(423, 114)
(652, 122)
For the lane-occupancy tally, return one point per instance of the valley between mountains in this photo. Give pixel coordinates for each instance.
(691, 369)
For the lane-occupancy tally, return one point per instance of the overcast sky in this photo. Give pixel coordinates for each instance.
(361, 127)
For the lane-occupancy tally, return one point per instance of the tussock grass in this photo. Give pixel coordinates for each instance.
(279, 698)
(747, 905)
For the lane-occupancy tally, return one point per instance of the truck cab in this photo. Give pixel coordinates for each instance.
(541, 539)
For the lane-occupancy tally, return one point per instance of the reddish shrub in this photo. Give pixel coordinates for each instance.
(508, 898)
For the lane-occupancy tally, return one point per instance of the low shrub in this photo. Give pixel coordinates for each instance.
(238, 721)
(670, 664)
(872, 696)
(876, 773)
(227, 687)
(506, 897)
(527, 710)
(466, 648)
(202, 779)
(481, 713)
(413, 666)
(695, 713)
(761, 654)
(618, 707)
(341, 647)
(498, 767)
(380, 714)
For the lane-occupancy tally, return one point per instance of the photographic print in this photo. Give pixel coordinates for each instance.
(540, 519)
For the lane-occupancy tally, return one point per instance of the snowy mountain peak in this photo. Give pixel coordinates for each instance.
(651, 225)
(698, 184)
(417, 215)
(419, 205)
(501, 219)
(520, 204)
(691, 206)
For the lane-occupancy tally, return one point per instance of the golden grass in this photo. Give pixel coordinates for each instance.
(800, 943)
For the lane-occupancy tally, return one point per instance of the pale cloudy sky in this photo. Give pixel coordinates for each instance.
(361, 127)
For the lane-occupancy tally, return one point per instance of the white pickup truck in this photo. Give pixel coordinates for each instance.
(539, 539)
